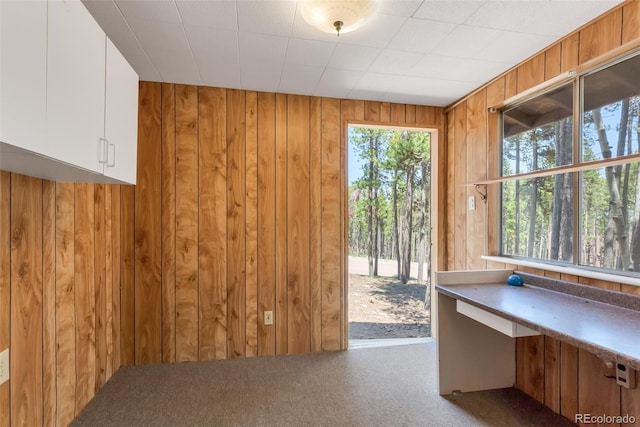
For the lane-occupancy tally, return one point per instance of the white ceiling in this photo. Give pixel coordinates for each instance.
(430, 52)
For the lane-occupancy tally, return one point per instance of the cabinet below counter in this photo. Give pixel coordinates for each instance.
(605, 323)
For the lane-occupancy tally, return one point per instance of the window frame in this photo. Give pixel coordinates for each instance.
(577, 165)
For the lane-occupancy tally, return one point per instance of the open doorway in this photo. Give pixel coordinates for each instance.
(389, 232)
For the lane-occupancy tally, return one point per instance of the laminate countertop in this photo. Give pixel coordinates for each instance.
(609, 331)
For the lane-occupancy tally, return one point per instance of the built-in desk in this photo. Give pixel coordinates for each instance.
(479, 317)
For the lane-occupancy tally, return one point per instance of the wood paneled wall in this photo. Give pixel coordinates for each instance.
(59, 296)
(567, 380)
(238, 210)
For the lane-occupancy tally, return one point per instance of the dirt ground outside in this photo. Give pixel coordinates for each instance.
(382, 307)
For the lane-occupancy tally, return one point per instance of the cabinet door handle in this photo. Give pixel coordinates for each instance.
(113, 158)
(103, 150)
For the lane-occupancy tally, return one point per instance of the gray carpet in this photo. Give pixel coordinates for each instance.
(384, 386)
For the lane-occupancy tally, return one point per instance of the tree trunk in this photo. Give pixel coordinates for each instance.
(370, 211)
(405, 230)
(395, 222)
(616, 224)
(533, 200)
(422, 232)
(517, 201)
(561, 246)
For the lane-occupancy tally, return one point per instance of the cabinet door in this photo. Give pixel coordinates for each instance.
(121, 117)
(75, 86)
(23, 73)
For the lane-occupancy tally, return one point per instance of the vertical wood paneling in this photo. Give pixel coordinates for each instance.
(425, 115)
(186, 223)
(570, 54)
(212, 232)
(315, 221)
(630, 401)
(410, 114)
(476, 169)
(148, 256)
(531, 380)
(451, 189)
(630, 21)
(460, 192)
(168, 200)
(266, 220)
(601, 36)
(236, 214)
(597, 394)
(251, 224)
(531, 72)
(568, 380)
(495, 92)
(331, 273)
(298, 224)
(49, 401)
(108, 263)
(116, 219)
(397, 113)
(511, 84)
(65, 303)
(281, 322)
(127, 287)
(100, 241)
(385, 112)
(5, 285)
(26, 300)
(85, 294)
(371, 111)
(552, 61)
(552, 373)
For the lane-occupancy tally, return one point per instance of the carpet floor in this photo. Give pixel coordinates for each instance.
(379, 386)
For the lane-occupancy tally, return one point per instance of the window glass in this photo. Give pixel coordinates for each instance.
(537, 218)
(537, 134)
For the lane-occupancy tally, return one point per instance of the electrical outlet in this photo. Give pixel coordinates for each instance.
(268, 317)
(4, 366)
(472, 203)
(625, 376)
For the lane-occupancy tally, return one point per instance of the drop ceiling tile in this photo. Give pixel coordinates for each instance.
(366, 94)
(126, 42)
(395, 62)
(158, 11)
(460, 69)
(299, 79)
(399, 7)
(455, 12)
(260, 75)
(380, 82)
(213, 74)
(514, 47)
(175, 67)
(376, 33)
(258, 47)
(215, 14)
(273, 17)
(557, 18)
(213, 42)
(408, 98)
(420, 35)
(309, 52)
(336, 83)
(466, 41)
(153, 35)
(352, 57)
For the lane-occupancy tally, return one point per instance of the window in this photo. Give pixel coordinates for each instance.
(570, 182)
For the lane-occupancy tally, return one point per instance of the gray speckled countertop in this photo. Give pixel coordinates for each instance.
(609, 331)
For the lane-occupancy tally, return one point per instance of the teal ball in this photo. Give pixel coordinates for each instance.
(514, 280)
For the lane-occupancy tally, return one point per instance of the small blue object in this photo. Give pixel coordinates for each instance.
(514, 280)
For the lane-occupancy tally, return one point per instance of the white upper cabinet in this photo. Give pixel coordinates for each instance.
(121, 117)
(75, 86)
(68, 98)
(23, 74)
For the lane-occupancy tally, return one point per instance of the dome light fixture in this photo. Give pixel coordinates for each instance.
(339, 16)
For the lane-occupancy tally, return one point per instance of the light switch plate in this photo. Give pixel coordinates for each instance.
(4, 366)
(472, 203)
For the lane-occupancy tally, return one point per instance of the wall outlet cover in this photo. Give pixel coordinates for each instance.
(4, 366)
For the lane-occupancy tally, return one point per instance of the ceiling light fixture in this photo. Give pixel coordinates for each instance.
(341, 16)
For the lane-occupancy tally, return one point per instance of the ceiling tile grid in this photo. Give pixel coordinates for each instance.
(430, 52)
